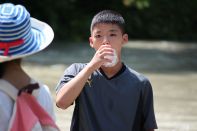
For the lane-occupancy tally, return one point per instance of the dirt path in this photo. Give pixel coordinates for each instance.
(171, 67)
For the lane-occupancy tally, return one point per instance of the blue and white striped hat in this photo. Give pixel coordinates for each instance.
(21, 35)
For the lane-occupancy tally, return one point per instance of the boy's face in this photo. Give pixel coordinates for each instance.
(109, 34)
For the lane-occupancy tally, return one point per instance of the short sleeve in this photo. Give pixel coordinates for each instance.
(148, 106)
(69, 73)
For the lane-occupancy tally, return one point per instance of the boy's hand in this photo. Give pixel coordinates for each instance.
(99, 57)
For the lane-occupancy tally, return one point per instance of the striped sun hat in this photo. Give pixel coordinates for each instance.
(20, 34)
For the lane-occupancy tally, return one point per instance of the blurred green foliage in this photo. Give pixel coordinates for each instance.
(146, 19)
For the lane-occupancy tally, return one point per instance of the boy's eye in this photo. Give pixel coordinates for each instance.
(97, 36)
(112, 34)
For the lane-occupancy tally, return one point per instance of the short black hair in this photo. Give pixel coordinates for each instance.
(108, 17)
(2, 69)
(4, 65)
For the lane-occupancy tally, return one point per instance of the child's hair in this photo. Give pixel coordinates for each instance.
(4, 64)
(108, 17)
(2, 69)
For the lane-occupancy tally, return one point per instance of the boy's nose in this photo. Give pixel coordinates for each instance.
(105, 41)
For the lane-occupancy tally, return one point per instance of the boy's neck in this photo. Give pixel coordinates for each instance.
(111, 71)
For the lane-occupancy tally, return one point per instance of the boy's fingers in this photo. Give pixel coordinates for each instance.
(104, 50)
(104, 46)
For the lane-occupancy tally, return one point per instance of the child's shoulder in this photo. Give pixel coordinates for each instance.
(142, 81)
(74, 68)
(137, 75)
(77, 66)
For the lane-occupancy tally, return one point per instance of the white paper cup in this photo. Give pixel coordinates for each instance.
(113, 58)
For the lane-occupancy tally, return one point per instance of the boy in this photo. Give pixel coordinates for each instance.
(108, 95)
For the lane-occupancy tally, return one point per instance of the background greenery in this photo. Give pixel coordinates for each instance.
(146, 19)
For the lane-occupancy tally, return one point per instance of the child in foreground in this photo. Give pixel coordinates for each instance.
(25, 103)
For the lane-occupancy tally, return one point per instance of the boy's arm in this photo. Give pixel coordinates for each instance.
(71, 90)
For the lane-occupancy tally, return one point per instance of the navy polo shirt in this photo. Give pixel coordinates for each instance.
(121, 103)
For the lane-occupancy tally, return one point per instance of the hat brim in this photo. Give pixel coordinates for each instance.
(48, 35)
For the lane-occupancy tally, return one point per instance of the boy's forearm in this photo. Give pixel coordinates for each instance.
(71, 90)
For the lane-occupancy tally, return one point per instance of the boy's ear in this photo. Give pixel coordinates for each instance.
(91, 42)
(125, 38)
